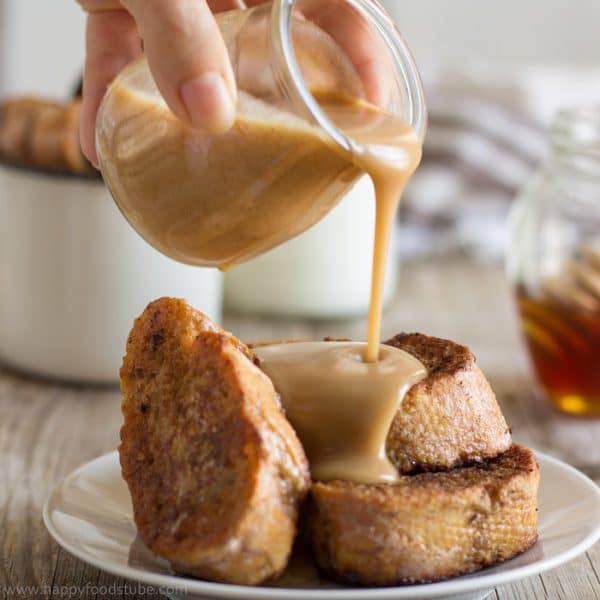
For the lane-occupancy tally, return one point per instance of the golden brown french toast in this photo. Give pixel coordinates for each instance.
(215, 471)
(427, 527)
(450, 418)
(217, 474)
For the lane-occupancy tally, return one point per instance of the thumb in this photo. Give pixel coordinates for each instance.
(188, 60)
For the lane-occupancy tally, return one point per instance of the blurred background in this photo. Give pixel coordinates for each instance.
(74, 274)
(495, 73)
(514, 33)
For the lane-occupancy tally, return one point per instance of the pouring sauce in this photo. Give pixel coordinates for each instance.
(389, 152)
(221, 200)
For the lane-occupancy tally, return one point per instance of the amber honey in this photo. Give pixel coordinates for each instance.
(564, 344)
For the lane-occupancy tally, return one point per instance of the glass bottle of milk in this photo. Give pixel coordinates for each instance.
(323, 273)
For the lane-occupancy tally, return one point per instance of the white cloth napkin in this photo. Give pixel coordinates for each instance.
(487, 133)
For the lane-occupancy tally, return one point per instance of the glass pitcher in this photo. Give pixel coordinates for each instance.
(217, 200)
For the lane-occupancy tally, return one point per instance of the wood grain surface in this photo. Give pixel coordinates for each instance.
(47, 429)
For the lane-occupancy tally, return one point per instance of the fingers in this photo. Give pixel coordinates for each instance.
(188, 60)
(365, 53)
(356, 39)
(112, 42)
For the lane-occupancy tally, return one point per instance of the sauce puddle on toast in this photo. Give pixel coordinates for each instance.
(341, 406)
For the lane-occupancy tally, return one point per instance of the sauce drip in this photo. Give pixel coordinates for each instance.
(341, 406)
(389, 151)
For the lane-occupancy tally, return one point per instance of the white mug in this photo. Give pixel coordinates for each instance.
(74, 275)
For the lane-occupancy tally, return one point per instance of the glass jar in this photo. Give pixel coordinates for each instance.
(284, 165)
(554, 264)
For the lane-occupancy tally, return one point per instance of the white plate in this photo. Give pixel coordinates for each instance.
(89, 514)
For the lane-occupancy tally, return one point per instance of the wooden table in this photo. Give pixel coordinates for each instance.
(47, 429)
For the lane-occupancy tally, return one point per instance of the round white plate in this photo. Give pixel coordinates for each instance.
(89, 514)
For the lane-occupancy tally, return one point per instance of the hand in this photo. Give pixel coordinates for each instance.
(185, 52)
(188, 58)
(355, 37)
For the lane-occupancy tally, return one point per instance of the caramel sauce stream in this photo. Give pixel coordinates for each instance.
(389, 152)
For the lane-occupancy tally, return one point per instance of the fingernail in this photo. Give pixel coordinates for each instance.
(208, 103)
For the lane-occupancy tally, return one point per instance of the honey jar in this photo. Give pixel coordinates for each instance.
(554, 264)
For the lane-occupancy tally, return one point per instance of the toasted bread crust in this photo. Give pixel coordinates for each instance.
(427, 527)
(43, 135)
(449, 419)
(215, 471)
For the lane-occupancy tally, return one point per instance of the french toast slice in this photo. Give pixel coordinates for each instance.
(215, 471)
(450, 418)
(42, 134)
(426, 527)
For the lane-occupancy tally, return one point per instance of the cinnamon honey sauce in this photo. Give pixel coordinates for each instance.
(341, 406)
(252, 188)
